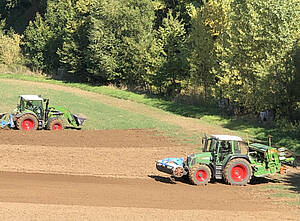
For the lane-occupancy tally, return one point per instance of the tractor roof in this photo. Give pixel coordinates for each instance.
(31, 97)
(226, 137)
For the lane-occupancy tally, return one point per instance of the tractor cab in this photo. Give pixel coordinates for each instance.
(221, 146)
(32, 103)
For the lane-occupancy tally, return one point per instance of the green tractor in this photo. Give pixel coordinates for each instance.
(33, 112)
(222, 158)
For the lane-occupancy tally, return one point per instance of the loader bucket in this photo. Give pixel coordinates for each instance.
(79, 119)
(2, 115)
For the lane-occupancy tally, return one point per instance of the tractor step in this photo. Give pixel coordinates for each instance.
(219, 172)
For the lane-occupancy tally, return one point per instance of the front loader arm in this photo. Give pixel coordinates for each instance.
(73, 119)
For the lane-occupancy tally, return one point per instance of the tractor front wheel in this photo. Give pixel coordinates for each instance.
(238, 172)
(27, 122)
(55, 124)
(200, 174)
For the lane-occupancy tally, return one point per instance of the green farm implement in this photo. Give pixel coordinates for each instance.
(222, 158)
(33, 112)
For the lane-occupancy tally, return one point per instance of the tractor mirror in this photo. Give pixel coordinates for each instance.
(204, 138)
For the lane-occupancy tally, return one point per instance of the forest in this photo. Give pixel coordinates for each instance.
(244, 52)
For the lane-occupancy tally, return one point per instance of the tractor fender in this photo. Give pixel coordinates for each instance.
(212, 169)
(237, 156)
(27, 112)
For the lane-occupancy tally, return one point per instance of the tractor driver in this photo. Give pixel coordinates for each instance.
(225, 147)
(29, 105)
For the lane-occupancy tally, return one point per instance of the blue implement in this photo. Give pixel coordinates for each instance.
(172, 166)
(9, 123)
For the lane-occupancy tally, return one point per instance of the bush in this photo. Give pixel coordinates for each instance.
(10, 51)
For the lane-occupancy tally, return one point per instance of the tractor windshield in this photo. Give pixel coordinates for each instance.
(35, 106)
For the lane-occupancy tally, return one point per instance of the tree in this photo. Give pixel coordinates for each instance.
(37, 36)
(120, 37)
(18, 13)
(10, 51)
(179, 8)
(295, 89)
(174, 66)
(73, 53)
(209, 23)
(44, 37)
(255, 60)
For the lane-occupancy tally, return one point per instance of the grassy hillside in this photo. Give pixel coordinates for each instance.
(103, 116)
(100, 116)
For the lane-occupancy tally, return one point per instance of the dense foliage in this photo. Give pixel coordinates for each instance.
(243, 50)
(10, 51)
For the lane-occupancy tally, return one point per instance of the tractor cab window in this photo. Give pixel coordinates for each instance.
(22, 105)
(237, 147)
(36, 106)
(212, 145)
(224, 148)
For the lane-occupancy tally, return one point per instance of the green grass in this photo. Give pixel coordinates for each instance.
(287, 135)
(100, 116)
(276, 187)
(284, 195)
(296, 203)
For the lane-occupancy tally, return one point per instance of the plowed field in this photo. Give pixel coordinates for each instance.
(111, 175)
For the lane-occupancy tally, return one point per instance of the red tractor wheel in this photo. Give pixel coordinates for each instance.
(27, 122)
(200, 174)
(55, 124)
(238, 172)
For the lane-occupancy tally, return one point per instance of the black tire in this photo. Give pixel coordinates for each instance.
(238, 172)
(27, 122)
(200, 174)
(55, 124)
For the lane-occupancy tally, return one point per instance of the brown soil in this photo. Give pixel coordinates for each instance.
(111, 175)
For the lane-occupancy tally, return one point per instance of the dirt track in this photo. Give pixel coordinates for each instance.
(111, 175)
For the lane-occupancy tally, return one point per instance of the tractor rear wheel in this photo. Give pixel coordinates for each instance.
(55, 124)
(200, 174)
(238, 172)
(27, 122)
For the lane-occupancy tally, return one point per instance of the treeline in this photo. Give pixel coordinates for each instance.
(243, 50)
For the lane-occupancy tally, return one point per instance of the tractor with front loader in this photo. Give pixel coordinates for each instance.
(222, 158)
(33, 112)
